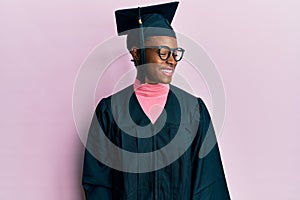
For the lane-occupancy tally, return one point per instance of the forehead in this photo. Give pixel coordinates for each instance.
(161, 41)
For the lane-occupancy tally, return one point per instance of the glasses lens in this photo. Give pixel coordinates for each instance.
(164, 53)
(178, 53)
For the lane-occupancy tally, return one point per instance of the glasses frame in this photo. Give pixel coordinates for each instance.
(170, 50)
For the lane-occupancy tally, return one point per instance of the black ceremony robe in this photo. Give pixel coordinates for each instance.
(191, 176)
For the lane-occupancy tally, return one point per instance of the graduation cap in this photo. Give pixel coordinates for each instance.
(139, 23)
(159, 16)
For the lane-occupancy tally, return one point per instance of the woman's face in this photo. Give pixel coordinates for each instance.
(156, 69)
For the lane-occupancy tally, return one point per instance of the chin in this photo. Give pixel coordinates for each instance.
(166, 81)
(163, 80)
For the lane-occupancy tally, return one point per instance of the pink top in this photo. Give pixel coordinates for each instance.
(152, 98)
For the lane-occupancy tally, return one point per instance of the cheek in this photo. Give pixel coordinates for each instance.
(154, 61)
(152, 57)
(152, 71)
(152, 68)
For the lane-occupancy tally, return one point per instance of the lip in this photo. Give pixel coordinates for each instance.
(167, 71)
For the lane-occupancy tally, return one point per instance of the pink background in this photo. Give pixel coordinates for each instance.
(254, 44)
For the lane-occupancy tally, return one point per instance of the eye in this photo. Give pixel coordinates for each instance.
(164, 51)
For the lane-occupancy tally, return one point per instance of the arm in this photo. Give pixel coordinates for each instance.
(209, 181)
(96, 179)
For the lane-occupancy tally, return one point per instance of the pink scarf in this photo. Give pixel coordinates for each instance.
(152, 98)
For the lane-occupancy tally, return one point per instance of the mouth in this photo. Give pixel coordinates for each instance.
(168, 71)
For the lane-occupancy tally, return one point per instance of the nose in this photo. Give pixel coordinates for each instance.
(171, 60)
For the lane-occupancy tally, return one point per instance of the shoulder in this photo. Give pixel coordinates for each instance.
(118, 98)
(191, 103)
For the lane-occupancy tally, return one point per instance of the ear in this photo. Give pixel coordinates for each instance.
(135, 53)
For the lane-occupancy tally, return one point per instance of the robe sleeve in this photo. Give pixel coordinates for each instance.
(96, 179)
(209, 181)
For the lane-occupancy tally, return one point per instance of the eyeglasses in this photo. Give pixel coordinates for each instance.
(164, 52)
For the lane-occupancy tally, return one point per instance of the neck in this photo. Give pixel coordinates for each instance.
(150, 89)
(151, 97)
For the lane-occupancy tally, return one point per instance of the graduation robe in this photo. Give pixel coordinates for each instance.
(191, 176)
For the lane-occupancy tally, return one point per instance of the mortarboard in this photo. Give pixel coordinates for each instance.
(159, 16)
(139, 23)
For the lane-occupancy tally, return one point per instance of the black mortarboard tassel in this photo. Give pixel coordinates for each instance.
(141, 32)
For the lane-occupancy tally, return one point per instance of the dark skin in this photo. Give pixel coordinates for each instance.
(155, 70)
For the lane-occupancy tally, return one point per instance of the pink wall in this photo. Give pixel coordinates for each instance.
(254, 45)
